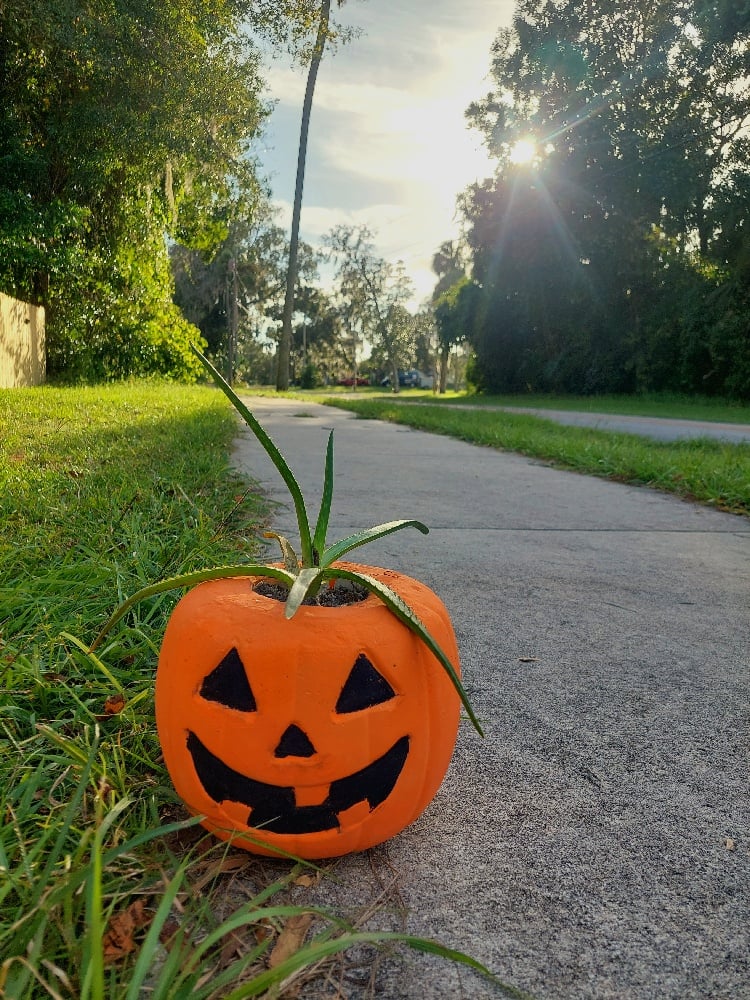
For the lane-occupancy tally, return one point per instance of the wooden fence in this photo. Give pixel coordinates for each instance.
(23, 359)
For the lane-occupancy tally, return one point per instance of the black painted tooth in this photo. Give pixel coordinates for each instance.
(374, 782)
(273, 807)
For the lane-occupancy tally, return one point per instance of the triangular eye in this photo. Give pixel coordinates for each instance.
(364, 688)
(228, 684)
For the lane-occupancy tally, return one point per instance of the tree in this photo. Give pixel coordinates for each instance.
(374, 294)
(291, 23)
(120, 124)
(322, 35)
(449, 264)
(248, 269)
(425, 339)
(316, 338)
(282, 377)
(639, 113)
(455, 318)
(450, 268)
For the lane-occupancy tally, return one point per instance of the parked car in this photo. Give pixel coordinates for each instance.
(411, 379)
(361, 380)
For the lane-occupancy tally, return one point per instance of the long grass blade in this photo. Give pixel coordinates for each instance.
(150, 946)
(273, 453)
(92, 971)
(322, 948)
(94, 659)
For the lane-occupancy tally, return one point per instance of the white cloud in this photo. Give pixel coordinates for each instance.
(389, 146)
(318, 221)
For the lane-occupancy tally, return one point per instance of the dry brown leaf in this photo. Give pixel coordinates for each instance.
(233, 947)
(114, 704)
(290, 939)
(169, 928)
(263, 930)
(118, 940)
(730, 844)
(307, 880)
(224, 866)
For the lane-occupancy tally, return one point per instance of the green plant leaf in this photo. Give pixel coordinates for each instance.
(191, 580)
(273, 453)
(303, 584)
(338, 549)
(406, 615)
(324, 514)
(291, 562)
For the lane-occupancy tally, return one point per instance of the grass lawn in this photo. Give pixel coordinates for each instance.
(710, 472)
(107, 890)
(668, 405)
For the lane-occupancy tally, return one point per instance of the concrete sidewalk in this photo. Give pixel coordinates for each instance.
(596, 844)
(659, 428)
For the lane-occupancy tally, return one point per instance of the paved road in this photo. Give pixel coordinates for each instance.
(596, 844)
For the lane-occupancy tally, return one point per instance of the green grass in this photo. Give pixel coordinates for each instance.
(107, 890)
(666, 405)
(710, 472)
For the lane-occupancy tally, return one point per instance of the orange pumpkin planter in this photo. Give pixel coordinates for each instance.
(300, 728)
(320, 735)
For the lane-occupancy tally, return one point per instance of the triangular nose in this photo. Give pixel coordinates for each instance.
(294, 743)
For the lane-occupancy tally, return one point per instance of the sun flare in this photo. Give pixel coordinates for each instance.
(522, 151)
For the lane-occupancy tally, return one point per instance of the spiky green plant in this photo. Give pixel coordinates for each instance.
(305, 573)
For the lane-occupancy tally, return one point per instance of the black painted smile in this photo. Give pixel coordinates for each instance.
(273, 807)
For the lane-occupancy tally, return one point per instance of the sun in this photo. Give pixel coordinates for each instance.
(523, 151)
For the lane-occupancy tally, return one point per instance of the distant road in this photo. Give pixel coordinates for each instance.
(660, 428)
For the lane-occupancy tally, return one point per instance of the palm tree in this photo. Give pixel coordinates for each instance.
(282, 372)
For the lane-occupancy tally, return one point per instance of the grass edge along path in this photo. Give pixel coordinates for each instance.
(107, 892)
(670, 406)
(710, 472)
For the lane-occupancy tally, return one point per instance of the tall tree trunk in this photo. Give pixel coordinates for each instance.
(395, 386)
(282, 373)
(445, 350)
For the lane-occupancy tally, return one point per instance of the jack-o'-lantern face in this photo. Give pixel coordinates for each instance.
(274, 808)
(320, 735)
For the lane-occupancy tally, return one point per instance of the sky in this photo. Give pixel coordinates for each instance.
(388, 146)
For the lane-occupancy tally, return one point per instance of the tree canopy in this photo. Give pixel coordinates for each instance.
(611, 257)
(373, 295)
(124, 126)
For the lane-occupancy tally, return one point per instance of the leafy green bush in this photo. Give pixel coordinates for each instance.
(309, 378)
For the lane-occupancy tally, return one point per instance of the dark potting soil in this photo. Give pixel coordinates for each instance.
(341, 593)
